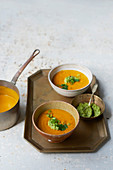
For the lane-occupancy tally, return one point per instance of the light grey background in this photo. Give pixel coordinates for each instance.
(65, 31)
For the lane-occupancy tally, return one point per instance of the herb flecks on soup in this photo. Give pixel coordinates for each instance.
(70, 79)
(55, 121)
(56, 124)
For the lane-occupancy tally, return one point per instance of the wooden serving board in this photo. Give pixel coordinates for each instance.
(89, 136)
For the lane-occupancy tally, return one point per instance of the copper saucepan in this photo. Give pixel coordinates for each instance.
(9, 118)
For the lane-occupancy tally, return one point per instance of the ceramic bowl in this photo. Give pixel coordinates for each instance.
(70, 93)
(85, 98)
(55, 105)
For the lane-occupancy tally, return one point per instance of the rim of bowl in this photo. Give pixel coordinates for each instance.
(90, 118)
(61, 109)
(60, 70)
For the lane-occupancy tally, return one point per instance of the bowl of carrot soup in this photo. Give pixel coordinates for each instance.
(70, 79)
(55, 120)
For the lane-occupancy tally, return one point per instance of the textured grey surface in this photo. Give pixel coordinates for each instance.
(65, 32)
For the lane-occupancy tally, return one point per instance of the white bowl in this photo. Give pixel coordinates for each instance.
(70, 93)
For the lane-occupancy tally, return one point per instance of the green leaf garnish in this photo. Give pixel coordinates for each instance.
(62, 127)
(71, 79)
(58, 121)
(49, 111)
(64, 86)
(55, 124)
(49, 115)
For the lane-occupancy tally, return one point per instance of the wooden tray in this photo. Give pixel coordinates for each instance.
(89, 136)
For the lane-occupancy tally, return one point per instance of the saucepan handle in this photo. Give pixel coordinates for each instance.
(15, 78)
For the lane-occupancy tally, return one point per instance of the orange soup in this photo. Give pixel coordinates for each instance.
(8, 98)
(70, 79)
(63, 122)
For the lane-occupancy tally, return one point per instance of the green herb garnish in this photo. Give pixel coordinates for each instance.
(55, 124)
(49, 111)
(62, 127)
(49, 115)
(64, 86)
(71, 79)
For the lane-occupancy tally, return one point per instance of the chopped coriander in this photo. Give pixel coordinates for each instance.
(64, 86)
(55, 124)
(49, 111)
(68, 124)
(49, 115)
(71, 79)
(58, 121)
(62, 127)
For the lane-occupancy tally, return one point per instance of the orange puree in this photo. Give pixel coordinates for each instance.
(59, 77)
(63, 116)
(8, 98)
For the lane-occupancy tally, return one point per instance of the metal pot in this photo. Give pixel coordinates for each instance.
(10, 117)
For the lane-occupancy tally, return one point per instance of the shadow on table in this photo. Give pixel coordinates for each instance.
(107, 113)
(22, 113)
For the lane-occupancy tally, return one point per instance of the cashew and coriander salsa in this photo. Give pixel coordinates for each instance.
(70, 79)
(55, 121)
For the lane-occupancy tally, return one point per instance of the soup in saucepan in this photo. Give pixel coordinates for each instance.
(8, 98)
(55, 122)
(70, 79)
